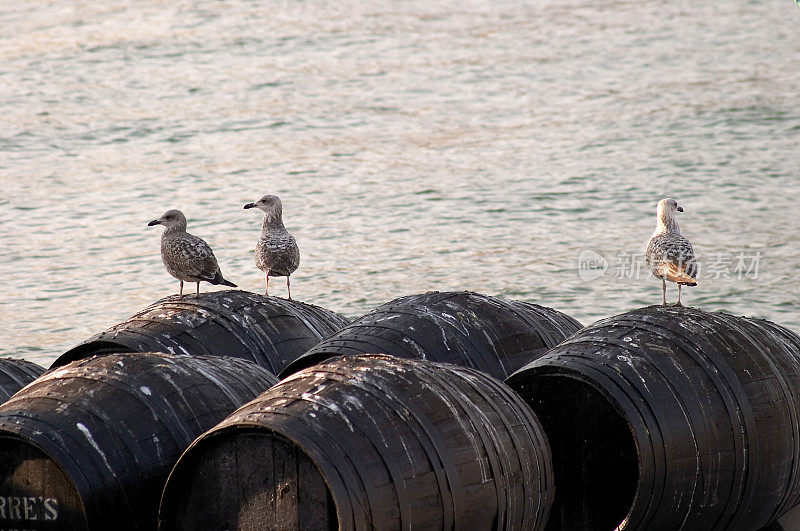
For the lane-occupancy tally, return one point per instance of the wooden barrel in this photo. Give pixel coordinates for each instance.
(16, 374)
(268, 331)
(492, 335)
(368, 442)
(90, 445)
(670, 418)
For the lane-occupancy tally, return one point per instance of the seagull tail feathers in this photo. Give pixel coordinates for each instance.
(675, 273)
(219, 280)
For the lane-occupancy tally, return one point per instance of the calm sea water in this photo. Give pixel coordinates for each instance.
(480, 145)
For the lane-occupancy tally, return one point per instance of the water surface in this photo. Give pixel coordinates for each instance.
(477, 145)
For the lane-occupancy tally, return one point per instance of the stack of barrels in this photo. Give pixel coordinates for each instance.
(443, 410)
(90, 444)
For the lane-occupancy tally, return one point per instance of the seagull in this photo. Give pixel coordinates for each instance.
(187, 257)
(670, 255)
(277, 254)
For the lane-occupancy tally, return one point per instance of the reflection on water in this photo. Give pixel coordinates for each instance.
(472, 145)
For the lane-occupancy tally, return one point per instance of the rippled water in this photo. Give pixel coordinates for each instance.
(417, 146)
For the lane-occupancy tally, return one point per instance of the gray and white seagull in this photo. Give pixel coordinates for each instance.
(277, 254)
(670, 255)
(187, 257)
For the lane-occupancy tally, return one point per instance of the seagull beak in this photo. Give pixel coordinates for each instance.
(680, 209)
(250, 205)
(154, 222)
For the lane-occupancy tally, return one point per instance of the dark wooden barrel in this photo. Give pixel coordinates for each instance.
(268, 331)
(670, 418)
(15, 374)
(368, 442)
(492, 335)
(90, 445)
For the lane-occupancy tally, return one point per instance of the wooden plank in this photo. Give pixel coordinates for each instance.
(253, 467)
(284, 481)
(316, 509)
(210, 501)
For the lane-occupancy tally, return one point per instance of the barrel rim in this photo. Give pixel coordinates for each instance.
(573, 374)
(567, 372)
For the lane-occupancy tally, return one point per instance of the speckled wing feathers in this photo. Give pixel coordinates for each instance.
(188, 258)
(672, 257)
(277, 253)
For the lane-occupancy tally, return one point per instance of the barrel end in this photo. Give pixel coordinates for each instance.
(224, 481)
(580, 420)
(33, 487)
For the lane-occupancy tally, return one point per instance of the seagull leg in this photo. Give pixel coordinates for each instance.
(287, 287)
(180, 295)
(679, 296)
(664, 292)
(266, 283)
(198, 290)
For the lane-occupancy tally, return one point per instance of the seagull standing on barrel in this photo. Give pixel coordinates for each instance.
(670, 255)
(187, 257)
(277, 254)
